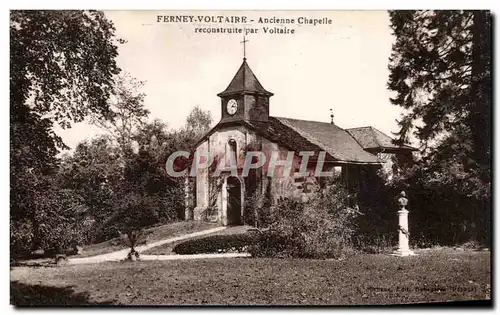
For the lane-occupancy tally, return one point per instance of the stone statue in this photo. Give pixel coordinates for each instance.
(404, 235)
(403, 201)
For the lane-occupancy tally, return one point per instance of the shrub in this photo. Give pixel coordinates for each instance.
(56, 221)
(471, 245)
(443, 211)
(377, 223)
(257, 207)
(321, 228)
(59, 237)
(170, 203)
(375, 244)
(105, 233)
(216, 244)
(21, 238)
(284, 236)
(271, 243)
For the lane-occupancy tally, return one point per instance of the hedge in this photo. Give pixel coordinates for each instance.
(216, 244)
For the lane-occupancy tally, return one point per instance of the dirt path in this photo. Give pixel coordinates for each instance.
(121, 254)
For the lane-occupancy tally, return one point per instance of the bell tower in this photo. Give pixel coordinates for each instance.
(245, 98)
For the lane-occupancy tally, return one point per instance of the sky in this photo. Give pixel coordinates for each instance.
(342, 66)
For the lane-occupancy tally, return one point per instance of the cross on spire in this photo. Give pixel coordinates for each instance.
(244, 47)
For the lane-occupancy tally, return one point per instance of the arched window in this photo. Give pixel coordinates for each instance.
(233, 149)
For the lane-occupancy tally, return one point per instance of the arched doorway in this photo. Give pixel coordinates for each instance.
(234, 203)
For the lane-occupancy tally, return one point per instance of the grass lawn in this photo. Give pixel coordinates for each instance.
(154, 234)
(433, 276)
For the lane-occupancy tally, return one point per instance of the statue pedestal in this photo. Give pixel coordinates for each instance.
(404, 247)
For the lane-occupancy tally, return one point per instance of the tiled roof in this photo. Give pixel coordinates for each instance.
(302, 135)
(330, 138)
(276, 131)
(245, 81)
(372, 138)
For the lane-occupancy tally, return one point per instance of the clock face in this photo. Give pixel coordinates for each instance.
(232, 107)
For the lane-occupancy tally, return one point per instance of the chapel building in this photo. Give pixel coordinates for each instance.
(245, 125)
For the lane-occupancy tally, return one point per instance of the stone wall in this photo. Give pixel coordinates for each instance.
(209, 189)
(210, 202)
(202, 186)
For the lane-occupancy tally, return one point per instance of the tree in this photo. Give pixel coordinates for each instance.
(155, 128)
(127, 111)
(94, 172)
(62, 65)
(139, 199)
(199, 121)
(441, 72)
(134, 212)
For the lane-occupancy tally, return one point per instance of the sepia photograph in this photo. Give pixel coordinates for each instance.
(250, 158)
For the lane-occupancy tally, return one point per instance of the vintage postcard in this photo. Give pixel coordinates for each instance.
(262, 158)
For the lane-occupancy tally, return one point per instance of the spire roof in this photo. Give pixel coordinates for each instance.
(245, 81)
